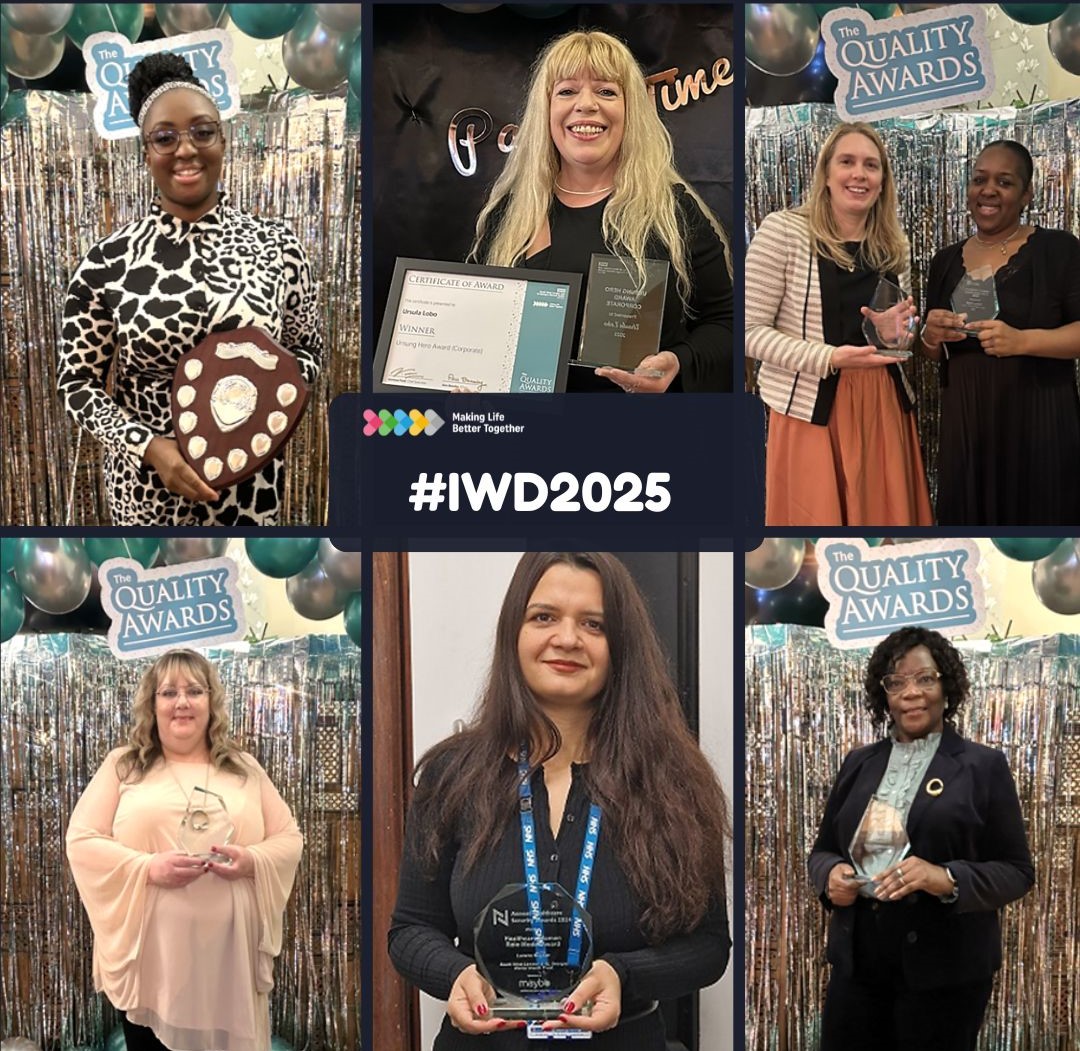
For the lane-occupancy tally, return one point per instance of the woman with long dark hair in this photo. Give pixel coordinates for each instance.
(580, 713)
(922, 844)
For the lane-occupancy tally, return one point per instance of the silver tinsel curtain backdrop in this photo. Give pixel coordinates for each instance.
(931, 157)
(803, 715)
(294, 704)
(289, 155)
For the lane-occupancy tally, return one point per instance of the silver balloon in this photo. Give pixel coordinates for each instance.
(54, 575)
(342, 567)
(176, 549)
(175, 19)
(775, 563)
(38, 19)
(29, 56)
(1056, 579)
(342, 18)
(315, 56)
(313, 594)
(781, 38)
(1063, 36)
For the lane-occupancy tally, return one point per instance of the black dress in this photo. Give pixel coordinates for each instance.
(1010, 427)
(431, 935)
(701, 342)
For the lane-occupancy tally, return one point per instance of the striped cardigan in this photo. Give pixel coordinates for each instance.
(783, 317)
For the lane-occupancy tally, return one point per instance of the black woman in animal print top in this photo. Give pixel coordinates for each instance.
(154, 289)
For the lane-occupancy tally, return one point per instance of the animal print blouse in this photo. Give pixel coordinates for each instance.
(141, 298)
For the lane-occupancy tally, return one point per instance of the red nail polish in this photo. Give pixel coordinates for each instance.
(570, 1008)
(481, 1009)
(501, 1024)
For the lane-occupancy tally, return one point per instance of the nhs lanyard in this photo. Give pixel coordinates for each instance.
(532, 869)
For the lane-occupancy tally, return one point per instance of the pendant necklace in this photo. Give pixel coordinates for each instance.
(1001, 244)
(583, 193)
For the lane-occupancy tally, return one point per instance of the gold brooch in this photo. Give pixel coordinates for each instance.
(935, 786)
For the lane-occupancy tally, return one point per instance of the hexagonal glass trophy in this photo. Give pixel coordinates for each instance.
(532, 980)
(206, 824)
(976, 296)
(880, 841)
(890, 326)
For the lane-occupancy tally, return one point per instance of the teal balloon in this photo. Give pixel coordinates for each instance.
(354, 69)
(281, 556)
(1027, 548)
(3, 88)
(7, 554)
(352, 618)
(1033, 14)
(264, 21)
(14, 108)
(126, 19)
(874, 541)
(142, 549)
(279, 1043)
(115, 1040)
(11, 608)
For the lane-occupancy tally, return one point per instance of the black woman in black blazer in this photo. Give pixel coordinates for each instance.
(912, 967)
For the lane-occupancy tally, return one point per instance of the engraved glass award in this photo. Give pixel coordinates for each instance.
(622, 319)
(206, 824)
(533, 963)
(880, 841)
(976, 296)
(890, 326)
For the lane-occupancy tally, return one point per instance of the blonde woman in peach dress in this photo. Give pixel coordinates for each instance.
(184, 944)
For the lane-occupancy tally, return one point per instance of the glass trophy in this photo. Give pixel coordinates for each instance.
(206, 824)
(890, 326)
(622, 321)
(976, 296)
(880, 841)
(531, 981)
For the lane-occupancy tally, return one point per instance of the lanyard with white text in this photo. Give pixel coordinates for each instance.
(532, 869)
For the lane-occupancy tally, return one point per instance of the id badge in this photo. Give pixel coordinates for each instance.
(534, 1032)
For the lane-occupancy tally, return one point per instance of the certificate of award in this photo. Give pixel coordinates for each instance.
(456, 326)
(622, 318)
(236, 398)
(976, 296)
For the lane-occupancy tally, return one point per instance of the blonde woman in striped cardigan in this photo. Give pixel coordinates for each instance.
(843, 447)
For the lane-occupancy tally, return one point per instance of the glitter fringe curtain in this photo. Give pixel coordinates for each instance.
(67, 701)
(803, 715)
(289, 156)
(931, 157)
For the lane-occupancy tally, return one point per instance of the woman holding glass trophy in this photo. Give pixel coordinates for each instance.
(829, 317)
(564, 859)
(184, 855)
(922, 843)
(1003, 318)
(592, 173)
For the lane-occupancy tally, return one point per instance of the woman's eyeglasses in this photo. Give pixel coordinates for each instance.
(201, 136)
(194, 693)
(924, 680)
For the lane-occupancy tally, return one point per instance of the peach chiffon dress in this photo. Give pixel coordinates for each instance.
(193, 963)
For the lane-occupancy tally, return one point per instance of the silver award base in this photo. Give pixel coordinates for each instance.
(529, 1010)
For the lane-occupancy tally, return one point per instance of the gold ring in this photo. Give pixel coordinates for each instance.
(935, 786)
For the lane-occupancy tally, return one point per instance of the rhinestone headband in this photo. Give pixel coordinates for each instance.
(168, 86)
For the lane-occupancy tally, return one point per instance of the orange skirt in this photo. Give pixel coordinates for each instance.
(863, 469)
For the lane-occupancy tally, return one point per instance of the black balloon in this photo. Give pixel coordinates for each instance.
(813, 84)
(799, 602)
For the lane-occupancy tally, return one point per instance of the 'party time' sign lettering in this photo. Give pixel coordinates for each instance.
(110, 57)
(153, 610)
(913, 64)
(874, 591)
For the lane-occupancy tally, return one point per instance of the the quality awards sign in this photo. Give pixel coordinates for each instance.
(873, 591)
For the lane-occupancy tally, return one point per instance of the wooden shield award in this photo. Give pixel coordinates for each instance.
(236, 399)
